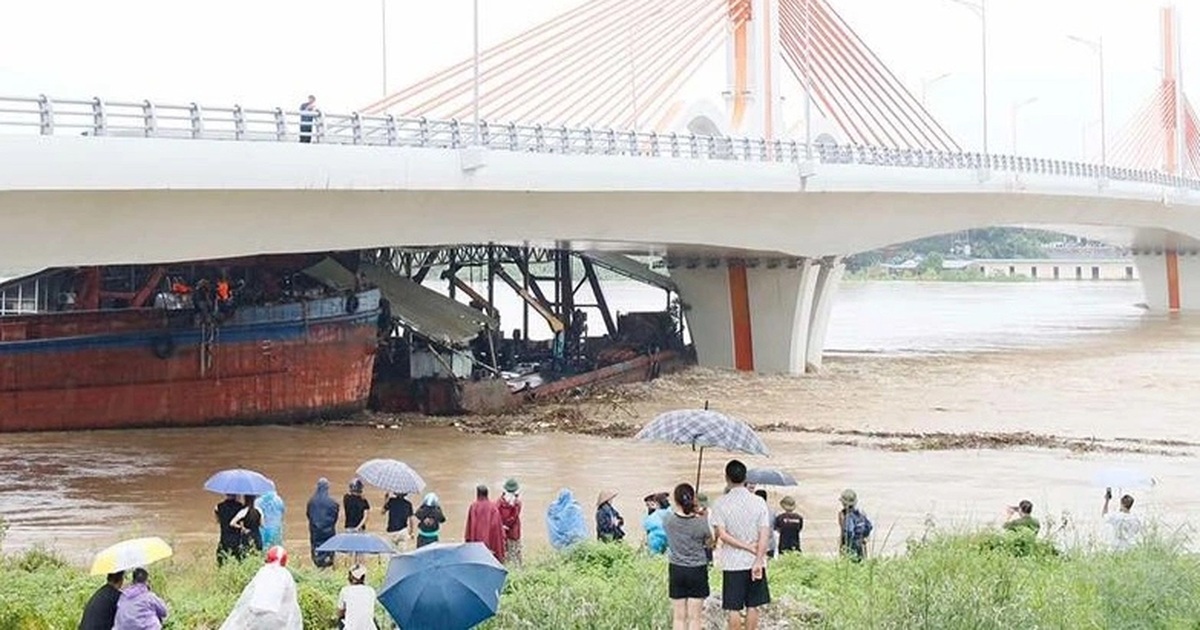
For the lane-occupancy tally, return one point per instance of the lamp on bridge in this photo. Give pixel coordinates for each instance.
(1016, 108)
(1097, 47)
(980, 9)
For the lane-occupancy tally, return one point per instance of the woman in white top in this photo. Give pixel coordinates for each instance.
(356, 602)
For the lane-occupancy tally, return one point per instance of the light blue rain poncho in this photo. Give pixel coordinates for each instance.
(656, 531)
(271, 506)
(565, 522)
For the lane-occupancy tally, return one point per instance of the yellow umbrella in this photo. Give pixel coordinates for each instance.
(130, 554)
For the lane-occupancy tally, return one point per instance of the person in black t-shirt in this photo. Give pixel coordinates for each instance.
(401, 523)
(788, 523)
(102, 607)
(230, 544)
(357, 507)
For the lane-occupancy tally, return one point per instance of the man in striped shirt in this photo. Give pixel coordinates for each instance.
(743, 525)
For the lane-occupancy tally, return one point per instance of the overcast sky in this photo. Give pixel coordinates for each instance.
(273, 52)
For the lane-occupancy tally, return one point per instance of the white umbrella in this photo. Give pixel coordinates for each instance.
(391, 475)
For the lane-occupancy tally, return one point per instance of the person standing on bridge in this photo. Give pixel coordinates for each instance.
(306, 118)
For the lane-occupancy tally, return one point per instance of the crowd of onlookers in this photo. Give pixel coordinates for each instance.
(738, 531)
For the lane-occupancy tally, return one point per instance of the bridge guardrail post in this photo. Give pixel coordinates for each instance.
(539, 139)
(319, 127)
(45, 115)
(423, 131)
(589, 141)
(564, 139)
(356, 130)
(512, 136)
(196, 118)
(633, 143)
(674, 144)
(99, 117)
(393, 135)
(149, 119)
(280, 124)
(239, 123)
(485, 133)
(655, 149)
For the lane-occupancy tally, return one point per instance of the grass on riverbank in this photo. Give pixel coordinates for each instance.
(985, 580)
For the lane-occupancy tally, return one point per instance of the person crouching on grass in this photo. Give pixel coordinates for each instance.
(743, 525)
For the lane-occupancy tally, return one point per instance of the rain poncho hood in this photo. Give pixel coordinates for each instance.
(565, 521)
(271, 506)
(267, 603)
(322, 513)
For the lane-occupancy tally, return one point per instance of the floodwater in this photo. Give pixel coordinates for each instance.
(1075, 361)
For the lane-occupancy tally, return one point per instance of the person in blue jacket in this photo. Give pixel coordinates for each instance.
(658, 507)
(322, 515)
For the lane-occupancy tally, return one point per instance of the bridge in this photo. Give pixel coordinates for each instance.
(754, 227)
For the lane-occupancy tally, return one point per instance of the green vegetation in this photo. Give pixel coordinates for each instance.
(977, 581)
(984, 243)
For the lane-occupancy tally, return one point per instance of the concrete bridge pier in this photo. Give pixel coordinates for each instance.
(1170, 278)
(764, 315)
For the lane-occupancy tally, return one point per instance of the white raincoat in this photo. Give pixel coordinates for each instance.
(267, 603)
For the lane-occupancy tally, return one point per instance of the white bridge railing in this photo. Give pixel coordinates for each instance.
(96, 117)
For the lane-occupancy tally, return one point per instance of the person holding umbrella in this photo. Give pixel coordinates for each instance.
(401, 522)
(322, 515)
(102, 607)
(229, 545)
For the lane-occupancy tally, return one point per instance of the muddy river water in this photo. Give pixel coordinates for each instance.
(941, 404)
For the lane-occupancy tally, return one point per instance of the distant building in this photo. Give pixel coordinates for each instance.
(1058, 268)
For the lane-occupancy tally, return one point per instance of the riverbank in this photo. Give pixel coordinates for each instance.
(978, 581)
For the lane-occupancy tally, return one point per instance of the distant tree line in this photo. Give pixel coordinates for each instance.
(998, 242)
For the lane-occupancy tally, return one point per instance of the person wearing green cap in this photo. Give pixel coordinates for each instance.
(789, 524)
(510, 519)
(855, 527)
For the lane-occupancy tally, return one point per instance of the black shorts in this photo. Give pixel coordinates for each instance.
(687, 582)
(738, 591)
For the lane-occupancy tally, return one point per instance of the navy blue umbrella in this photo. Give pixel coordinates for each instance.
(356, 542)
(239, 481)
(769, 477)
(443, 587)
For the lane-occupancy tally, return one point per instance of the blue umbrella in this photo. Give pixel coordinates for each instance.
(443, 587)
(356, 542)
(701, 429)
(769, 477)
(239, 481)
(391, 475)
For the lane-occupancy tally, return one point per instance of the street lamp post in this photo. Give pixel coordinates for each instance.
(1016, 107)
(980, 9)
(475, 86)
(1097, 47)
(927, 83)
(383, 39)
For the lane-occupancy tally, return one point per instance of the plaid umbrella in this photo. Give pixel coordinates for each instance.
(391, 475)
(701, 429)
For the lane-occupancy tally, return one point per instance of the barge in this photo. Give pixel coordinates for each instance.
(86, 354)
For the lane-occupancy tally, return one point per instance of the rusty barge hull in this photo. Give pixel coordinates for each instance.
(151, 368)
